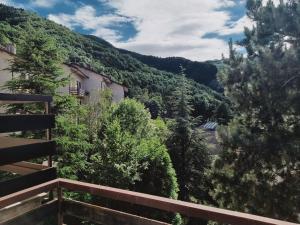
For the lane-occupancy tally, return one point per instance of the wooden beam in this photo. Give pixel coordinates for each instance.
(6, 98)
(23, 168)
(28, 193)
(12, 123)
(36, 216)
(14, 150)
(31, 165)
(20, 208)
(171, 205)
(97, 214)
(20, 183)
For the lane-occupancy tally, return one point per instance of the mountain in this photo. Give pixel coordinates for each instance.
(145, 82)
(201, 72)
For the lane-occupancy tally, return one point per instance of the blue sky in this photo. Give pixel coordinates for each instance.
(194, 29)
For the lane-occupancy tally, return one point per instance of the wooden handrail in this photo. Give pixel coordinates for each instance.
(27, 193)
(171, 205)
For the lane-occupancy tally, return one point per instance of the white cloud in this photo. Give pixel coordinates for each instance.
(5, 2)
(164, 28)
(178, 28)
(44, 3)
(86, 18)
(237, 27)
(276, 2)
(12, 3)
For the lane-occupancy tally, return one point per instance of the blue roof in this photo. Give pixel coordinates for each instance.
(210, 125)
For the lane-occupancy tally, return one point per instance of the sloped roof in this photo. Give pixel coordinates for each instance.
(210, 125)
(77, 66)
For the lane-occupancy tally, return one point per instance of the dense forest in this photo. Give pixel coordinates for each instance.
(149, 85)
(201, 72)
(152, 142)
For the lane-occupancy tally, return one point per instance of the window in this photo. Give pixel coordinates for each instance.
(78, 85)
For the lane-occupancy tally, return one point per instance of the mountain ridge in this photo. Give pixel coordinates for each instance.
(141, 79)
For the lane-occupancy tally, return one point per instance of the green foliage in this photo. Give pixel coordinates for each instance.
(223, 113)
(188, 150)
(258, 171)
(115, 145)
(37, 65)
(202, 72)
(71, 136)
(129, 149)
(104, 58)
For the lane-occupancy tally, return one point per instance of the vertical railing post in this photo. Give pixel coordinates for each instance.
(60, 200)
(48, 132)
(49, 137)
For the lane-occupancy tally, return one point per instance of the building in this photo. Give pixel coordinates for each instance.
(6, 54)
(209, 126)
(210, 134)
(84, 83)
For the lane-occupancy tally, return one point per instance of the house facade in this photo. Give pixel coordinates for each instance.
(84, 83)
(5, 75)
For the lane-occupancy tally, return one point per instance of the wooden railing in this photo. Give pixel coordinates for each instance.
(64, 207)
(77, 91)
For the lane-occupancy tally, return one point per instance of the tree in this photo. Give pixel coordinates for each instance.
(37, 67)
(72, 139)
(188, 150)
(128, 146)
(119, 145)
(258, 171)
(223, 113)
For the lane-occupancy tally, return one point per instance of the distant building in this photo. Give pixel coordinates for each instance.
(84, 83)
(6, 54)
(210, 134)
(210, 126)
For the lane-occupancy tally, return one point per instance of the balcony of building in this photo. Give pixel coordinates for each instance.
(78, 92)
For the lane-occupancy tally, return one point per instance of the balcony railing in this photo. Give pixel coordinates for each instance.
(79, 92)
(23, 201)
(63, 208)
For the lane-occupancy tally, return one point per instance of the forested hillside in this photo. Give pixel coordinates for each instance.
(151, 86)
(122, 145)
(201, 72)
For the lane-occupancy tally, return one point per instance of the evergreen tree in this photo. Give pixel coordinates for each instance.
(223, 113)
(119, 145)
(72, 139)
(37, 67)
(259, 170)
(188, 150)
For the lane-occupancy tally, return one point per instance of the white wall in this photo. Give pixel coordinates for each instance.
(94, 84)
(5, 75)
(118, 92)
(70, 74)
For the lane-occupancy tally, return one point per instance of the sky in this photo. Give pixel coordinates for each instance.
(195, 29)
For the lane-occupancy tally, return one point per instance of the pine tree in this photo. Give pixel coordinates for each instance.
(37, 68)
(259, 170)
(187, 149)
